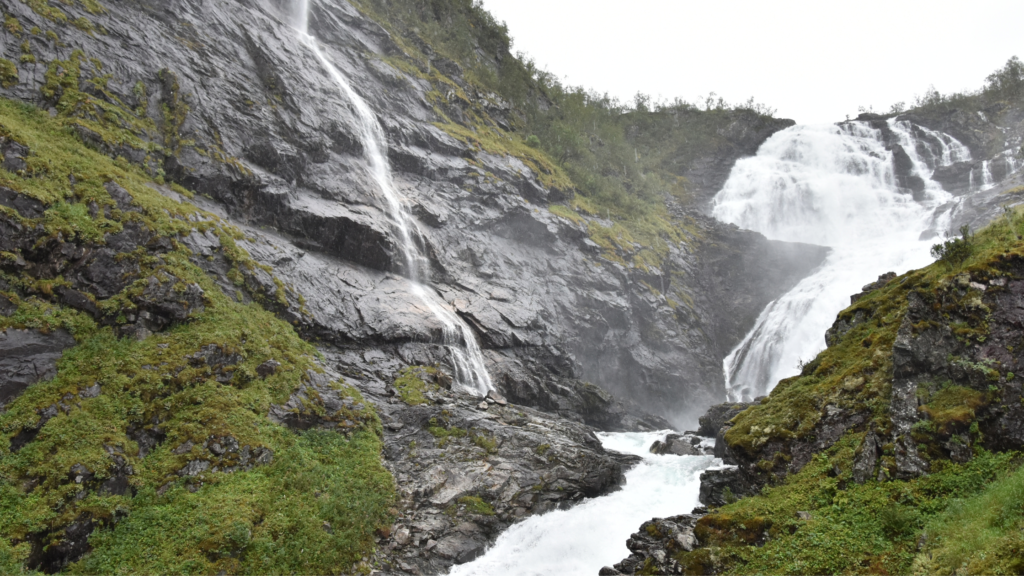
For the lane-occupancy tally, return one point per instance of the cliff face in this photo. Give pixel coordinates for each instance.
(223, 99)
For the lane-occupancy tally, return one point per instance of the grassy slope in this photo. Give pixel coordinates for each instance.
(311, 510)
(966, 518)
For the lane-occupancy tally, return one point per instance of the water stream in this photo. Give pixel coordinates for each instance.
(593, 534)
(467, 359)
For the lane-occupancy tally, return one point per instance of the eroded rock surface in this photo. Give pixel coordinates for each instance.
(27, 357)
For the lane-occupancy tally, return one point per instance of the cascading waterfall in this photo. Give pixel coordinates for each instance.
(467, 359)
(987, 182)
(833, 186)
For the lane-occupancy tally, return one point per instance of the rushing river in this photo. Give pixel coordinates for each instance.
(581, 540)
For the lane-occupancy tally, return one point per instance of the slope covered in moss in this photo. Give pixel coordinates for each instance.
(151, 450)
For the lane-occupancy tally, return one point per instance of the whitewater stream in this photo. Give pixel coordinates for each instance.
(593, 534)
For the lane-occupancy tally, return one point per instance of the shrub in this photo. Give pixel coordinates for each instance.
(897, 522)
(955, 251)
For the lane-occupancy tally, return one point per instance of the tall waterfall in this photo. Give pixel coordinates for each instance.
(467, 359)
(834, 186)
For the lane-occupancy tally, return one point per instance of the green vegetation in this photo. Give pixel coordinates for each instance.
(8, 73)
(412, 384)
(983, 534)
(488, 443)
(955, 251)
(309, 504)
(476, 505)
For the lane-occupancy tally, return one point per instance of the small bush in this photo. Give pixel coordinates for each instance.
(8, 73)
(955, 251)
(897, 522)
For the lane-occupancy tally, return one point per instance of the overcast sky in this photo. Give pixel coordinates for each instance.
(813, 61)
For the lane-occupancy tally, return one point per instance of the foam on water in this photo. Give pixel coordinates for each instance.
(581, 540)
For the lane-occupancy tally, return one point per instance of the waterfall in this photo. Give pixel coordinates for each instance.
(834, 186)
(467, 358)
(987, 182)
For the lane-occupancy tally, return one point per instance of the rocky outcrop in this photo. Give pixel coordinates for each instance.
(682, 445)
(653, 548)
(717, 416)
(27, 357)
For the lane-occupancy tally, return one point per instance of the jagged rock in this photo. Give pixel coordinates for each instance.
(722, 486)
(867, 457)
(653, 547)
(883, 279)
(716, 417)
(685, 445)
(27, 357)
(268, 368)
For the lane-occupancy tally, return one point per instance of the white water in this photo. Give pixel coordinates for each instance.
(592, 534)
(467, 359)
(987, 182)
(832, 186)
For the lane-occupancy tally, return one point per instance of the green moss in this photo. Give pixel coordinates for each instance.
(412, 384)
(542, 449)
(488, 443)
(982, 534)
(311, 509)
(476, 505)
(43, 8)
(12, 25)
(445, 434)
(953, 407)
(567, 213)
(8, 73)
(869, 528)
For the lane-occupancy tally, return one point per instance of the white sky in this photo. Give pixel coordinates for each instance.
(814, 61)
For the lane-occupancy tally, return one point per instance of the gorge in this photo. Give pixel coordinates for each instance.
(337, 287)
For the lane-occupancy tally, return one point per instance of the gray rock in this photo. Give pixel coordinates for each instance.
(723, 486)
(716, 417)
(866, 459)
(27, 357)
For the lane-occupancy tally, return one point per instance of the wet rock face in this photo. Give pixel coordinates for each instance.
(653, 547)
(266, 133)
(681, 445)
(27, 357)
